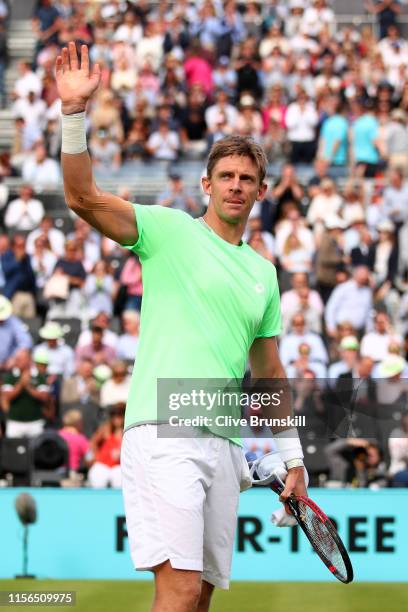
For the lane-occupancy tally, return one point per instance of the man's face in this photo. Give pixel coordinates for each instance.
(97, 336)
(395, 179)
(361, 276)
(298, 324)
(233, 188)
(365, 367)
(222, 97)
(26, 192)
(381, 323)
(40, 154)
(46, 224)
(19, 245)
(130, 325)
(85, 369)
(101, 320)
(299, 280)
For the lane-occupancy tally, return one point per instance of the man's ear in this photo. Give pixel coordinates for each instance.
(206, 185)
(262, 191)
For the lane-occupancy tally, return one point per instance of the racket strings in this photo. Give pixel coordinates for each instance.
(322, 540)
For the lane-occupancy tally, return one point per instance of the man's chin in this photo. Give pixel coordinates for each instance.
(234, 215)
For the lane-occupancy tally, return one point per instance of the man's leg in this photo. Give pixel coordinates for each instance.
(205, 598)
(176, 590)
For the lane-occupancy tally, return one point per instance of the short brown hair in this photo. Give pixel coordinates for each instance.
(238, 145)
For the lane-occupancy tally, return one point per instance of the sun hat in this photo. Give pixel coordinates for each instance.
(391, 366)
(6, 308)
(349, 343)
(51, 331)
(41, 355)
(102, 372)
(385, 226)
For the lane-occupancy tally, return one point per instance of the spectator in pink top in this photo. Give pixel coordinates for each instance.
(78, 444)
(131, 279)
(198, 70)
(96, 351)
(275, 107)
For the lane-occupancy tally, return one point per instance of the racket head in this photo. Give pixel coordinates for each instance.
(323, 537)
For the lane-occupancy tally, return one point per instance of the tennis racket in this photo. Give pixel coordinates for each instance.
(320, 532)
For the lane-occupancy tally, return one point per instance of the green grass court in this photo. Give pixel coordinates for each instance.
(116, 596)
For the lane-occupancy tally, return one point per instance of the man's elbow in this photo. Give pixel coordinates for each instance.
(77, 200)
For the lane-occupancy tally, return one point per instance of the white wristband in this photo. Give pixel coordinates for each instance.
(73, 134)
(294, 463)
(288, 444)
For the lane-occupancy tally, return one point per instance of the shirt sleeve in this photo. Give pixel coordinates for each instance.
(271, 324)
(156, 227)
(22, 337)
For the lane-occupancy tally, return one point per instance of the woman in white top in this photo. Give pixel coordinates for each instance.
(301, 120)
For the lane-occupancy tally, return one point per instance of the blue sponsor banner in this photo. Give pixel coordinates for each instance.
(81, 534)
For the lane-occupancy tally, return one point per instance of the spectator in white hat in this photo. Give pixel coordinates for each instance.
(249, 121)
(349, 348)
(394, 384)
(294, 21)
(61, 356)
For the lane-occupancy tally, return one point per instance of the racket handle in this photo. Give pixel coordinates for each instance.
(276, 484)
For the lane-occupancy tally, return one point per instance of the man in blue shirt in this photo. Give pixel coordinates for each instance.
(19, 278)
(13, 335)
(333, 142)
(350, 301)
(366, 145)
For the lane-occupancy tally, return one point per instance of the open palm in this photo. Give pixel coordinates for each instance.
(75, 82)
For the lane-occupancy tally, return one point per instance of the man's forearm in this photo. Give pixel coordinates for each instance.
(79, 184)
(75, 160)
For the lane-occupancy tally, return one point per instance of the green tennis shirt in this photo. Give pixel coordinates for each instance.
(204, 303)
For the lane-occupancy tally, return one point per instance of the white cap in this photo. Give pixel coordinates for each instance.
(385, 226)
(334, 222)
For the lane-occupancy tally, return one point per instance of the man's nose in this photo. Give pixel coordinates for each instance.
(236, 184)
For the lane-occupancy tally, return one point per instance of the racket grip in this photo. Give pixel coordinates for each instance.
(277, 485)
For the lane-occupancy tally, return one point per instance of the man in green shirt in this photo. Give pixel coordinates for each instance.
(209, 302)
(25, 397)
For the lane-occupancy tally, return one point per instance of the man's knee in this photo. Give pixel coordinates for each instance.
(180, 588)
(188, 592)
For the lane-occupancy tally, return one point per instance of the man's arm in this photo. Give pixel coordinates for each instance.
(331, 309)
(266, 364)
(110, 214)
(9, 393)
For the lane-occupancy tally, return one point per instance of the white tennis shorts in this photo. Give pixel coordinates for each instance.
(181, 500)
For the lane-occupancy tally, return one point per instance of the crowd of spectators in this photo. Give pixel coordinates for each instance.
(176, 77)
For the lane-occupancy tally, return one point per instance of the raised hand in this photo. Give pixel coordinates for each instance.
(75, 82)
